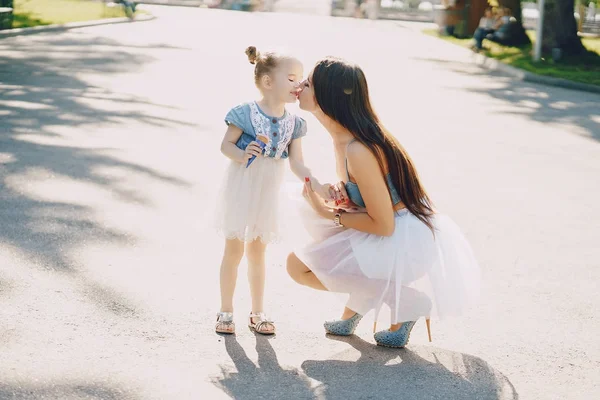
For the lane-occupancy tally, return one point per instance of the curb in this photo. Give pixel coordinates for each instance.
(71, 25)
(495, 65)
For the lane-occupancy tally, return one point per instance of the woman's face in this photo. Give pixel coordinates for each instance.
(306, 96)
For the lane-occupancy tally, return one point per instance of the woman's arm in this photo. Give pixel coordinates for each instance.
(379, 218)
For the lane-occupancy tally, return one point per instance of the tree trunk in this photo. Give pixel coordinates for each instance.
(520, 36)
(560, 29)
(476, 11)
(515, 7)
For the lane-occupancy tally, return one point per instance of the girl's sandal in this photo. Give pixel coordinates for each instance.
(225, 323)
(262, 324)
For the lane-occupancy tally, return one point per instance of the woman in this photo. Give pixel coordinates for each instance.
(388, 246)
(487, 25)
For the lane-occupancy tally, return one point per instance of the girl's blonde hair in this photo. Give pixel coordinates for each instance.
(264, 63)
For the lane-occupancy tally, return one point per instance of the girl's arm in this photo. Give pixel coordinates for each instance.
(229, 148)
(297, 161)
(302, 171)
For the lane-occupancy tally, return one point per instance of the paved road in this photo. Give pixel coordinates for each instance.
(108, 270)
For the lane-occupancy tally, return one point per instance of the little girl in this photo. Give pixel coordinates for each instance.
(249, 199)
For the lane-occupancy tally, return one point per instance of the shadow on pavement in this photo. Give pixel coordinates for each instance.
(379, 373)
(268, 380)
(68, 391)
(384, 373)
(41, 90)
(538, 102)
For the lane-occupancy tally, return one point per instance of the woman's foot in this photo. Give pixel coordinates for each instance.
(225, 323)
(344, 326)
(259, 323)
(348, 313)
(399, 334)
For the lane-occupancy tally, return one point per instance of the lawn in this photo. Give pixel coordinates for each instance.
(28, 13)
(584, 68)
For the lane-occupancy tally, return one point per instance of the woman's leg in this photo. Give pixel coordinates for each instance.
(299, 272)
(304, 276)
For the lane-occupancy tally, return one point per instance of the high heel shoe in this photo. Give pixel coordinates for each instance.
(343, 327)
(399, 338)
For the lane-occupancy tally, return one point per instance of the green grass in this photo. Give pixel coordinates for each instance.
(584, 68)
(28, 13)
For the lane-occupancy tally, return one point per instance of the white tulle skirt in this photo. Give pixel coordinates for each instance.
(249, 201)
(413, 272)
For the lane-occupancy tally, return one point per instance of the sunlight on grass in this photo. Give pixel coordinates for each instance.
(28, 13)
(584, 68)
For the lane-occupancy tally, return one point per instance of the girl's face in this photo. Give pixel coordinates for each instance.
(306, 96)
(284, 80)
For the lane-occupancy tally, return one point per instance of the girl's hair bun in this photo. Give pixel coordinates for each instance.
(252, 54)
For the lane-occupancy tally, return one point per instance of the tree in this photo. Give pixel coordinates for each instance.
(560, 29)
(518, 34)
(6, 18)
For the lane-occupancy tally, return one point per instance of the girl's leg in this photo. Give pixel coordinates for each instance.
(234, 251)
(255, 253)
(299, 272)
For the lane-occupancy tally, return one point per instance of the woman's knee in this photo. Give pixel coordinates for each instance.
(295, 267)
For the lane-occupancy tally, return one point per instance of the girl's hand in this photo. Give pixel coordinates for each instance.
(315, 201)
(253, 149)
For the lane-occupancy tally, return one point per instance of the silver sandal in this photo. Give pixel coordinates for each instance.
(225, 323)
(261, 326)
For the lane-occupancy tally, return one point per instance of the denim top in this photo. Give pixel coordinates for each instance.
(354, 192)
(279, 131)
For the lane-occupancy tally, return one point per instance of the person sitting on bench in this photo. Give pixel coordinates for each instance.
(503, 30)
(487, 25)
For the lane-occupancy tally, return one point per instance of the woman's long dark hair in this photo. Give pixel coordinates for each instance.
(342, 93)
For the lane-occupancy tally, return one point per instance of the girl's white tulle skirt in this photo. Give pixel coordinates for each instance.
(413, 272)
(248, 206)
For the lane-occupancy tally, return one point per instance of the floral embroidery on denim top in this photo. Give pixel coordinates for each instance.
(279, 131)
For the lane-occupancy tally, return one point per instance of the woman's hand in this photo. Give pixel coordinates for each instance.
(341, 199)
(334, 194)
(253, 149)
(325, 191)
